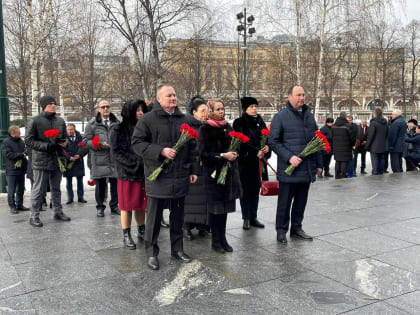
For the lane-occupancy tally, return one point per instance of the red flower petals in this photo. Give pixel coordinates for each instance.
(240, 136)
(81, 145)
(323, 140)
(191, 133)
(265, 132)
(52, 133)
(95, 142)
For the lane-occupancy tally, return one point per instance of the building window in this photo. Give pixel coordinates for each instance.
(260, 73)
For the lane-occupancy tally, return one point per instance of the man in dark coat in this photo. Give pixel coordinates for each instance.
(326, 157)
(13, 149)
(396, 135)
(351, 165)
(103, 168)
(75, 152)
(291, 130)
(376, 141)
(343, 140)
(45, 155)
(153, 139)
(360, 148)
(414, 157)
(408, 148)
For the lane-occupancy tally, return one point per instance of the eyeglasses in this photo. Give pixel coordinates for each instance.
(106, 106)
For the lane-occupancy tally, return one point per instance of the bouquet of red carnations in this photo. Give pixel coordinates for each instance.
(187, 133)
(235, 142)
(52, 135)
(319, 142)
(81, 147)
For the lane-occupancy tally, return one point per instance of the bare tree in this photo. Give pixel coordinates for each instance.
(413, 49)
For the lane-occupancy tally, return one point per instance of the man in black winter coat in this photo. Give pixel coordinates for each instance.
(343, 140)
(291, 130)
(153, 139)
(376, 141)
(13, 149)
(396, 135)
(326, 157)
(75, 152)
(45, 155)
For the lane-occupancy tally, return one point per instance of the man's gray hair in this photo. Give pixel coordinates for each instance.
(13, 129)
(100, 101)
(343, 115)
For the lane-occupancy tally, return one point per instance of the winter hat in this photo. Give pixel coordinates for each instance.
(329, 120)
(413, 121)
(129, 110)
(45, 100)
(248, 101)
(194, 103)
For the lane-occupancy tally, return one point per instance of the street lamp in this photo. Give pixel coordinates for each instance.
(4, 103)
(245, 31)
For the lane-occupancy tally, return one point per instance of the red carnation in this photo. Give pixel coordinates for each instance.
(185, 127)
(81, 145)
(95, 142)
(192, 133)
(52, 133)
(265, 132)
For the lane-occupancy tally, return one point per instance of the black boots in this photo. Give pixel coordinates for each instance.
(140, 232)
(218, 232)
(128, 241)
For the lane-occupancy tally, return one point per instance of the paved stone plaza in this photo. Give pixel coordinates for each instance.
(365, 259)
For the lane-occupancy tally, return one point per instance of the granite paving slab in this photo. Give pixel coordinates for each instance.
(17, 305)
(10, 284)
(407, 230)
(405, 258)
(378, 309)
(409, 302)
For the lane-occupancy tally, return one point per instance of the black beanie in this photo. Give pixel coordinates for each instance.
(194, 103)
(248, 101)
(45, 100)
(413, 121)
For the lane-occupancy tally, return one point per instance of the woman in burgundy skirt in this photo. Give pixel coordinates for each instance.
(130, 172)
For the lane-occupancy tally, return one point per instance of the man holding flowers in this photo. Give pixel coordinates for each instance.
(154, 139)
(291, 130)
(46, 137)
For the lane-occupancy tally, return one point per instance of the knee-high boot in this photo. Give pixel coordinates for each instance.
(224, 242)
(215, 234)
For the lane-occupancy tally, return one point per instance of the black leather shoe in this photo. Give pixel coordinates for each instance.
(226, 246)
(188, 235)
(22, 208)
(182, 257)
(140, 232)
(247, 225)
(258, 224)
(116, 211)
(153, 263)
(36, 222)
(328, 175)
(281, 238)
(363, 172)
(82, 200)
(128, 241)
(203, 233)
(13, 210)
(218, 248)
(301, 234)
(100, 213)
(69, 202)
(61, 217)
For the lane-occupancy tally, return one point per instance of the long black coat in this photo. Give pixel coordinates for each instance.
(249, 163)
(212, 142)
(290, 132)
(343, 140)
(42, 158)
(158, 130)
(128, 164)
(362, 137)
(377, 135)
(78, 168)
(195, 205)
(13, 150)
(396, 134)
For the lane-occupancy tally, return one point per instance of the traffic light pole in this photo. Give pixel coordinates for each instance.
(4, 103)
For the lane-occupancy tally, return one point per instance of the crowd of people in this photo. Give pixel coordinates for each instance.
(124, 156)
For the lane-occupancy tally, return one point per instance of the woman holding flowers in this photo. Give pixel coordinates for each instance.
(130, 171)
(251, 156)
(214, 144)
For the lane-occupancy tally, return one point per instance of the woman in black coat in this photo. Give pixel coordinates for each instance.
(214, 144)
(343, 140)
(130, 171)
(250, 157)
(195, 210)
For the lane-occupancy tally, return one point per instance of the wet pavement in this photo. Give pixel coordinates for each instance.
(365, 259)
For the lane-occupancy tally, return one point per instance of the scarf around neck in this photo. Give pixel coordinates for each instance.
(212, 121)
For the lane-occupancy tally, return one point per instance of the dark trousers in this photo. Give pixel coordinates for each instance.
(15, 186)
(412, 160)
(340, 169)
(249, 207)
(154, 214)
(100, 193)
(378, 162)
(218, 228)
(396, 162)
(288, 193)
(326, 160)
(69, 187)
(350, 166)
(363, 160)
(386, 160)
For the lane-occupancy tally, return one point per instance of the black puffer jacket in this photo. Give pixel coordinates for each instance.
(13, 151)
(129, 165)
(195, 205)
(212, 142)
(290, 132)
(78, 168)
(155, 131)
(377, 135)
(249, 163)
(343, 140)
(42, 157)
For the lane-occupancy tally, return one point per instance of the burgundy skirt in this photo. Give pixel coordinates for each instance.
(131, 195)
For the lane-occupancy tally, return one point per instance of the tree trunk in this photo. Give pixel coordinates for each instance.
(33, 60)
(321, 58)
(298, 17)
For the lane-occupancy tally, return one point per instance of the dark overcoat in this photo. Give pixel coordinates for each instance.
(377, 135)
(154, 132)
(415, 141)
(362, 137)
(290, 132)
(78, 168)
(13, 150)
(342, 140)
(396, 134)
